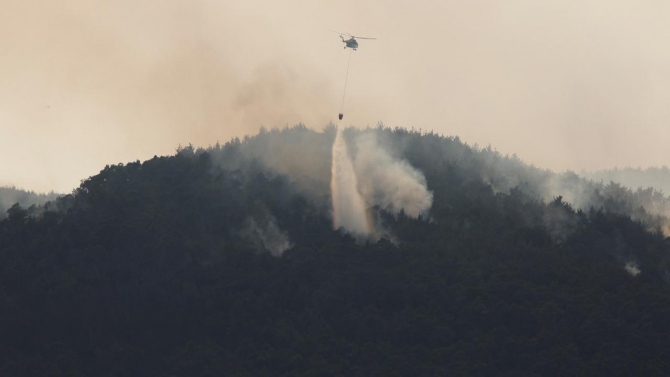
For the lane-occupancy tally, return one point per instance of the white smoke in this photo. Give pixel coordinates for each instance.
(267, 236)
(632, 268)
(388, 182)
(374, 178)
(348, 206)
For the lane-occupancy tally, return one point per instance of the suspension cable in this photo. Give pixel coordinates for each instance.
(346, 78)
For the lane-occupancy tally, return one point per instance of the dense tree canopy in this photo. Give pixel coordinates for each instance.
(171, 267)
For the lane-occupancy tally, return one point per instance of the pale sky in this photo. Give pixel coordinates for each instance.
(565, 84)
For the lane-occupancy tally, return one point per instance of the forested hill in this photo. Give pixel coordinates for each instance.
(224, 261)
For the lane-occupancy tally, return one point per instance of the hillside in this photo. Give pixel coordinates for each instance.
(225, 261)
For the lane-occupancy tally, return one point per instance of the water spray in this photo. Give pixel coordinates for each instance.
(348, 204)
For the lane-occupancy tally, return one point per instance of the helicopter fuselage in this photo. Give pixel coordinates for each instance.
(351, 43)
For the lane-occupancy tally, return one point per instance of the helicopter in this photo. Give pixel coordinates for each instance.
(351, 42)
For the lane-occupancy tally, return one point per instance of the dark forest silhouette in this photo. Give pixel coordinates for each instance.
(223, 261)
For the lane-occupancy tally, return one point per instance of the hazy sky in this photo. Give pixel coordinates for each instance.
(566, 84)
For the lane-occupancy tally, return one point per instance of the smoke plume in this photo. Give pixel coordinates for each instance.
(267, 236)
(11, 195)
(632, 268)
(390, 183)
(373, 178)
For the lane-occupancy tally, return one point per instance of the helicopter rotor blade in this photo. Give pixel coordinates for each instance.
(337, 32)
(363, 37)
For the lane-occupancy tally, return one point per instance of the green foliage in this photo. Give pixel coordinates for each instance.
(149, 269)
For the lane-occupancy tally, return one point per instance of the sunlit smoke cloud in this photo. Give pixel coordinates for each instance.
(348, 205)
(388, 182)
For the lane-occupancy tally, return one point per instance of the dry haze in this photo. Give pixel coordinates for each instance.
(564, 84)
